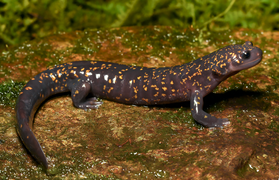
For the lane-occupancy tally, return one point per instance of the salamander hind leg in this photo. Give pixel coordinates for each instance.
(202, 117)
(79, 94)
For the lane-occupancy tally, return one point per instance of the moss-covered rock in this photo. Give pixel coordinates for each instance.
(131, 142)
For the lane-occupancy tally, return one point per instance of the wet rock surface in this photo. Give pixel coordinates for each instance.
(119, 141)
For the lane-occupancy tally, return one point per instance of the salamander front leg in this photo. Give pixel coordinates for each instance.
(79, 95)
(202, 117)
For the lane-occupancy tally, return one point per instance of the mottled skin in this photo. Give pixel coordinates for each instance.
(88, 80)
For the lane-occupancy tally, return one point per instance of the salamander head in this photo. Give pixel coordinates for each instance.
(232, 59)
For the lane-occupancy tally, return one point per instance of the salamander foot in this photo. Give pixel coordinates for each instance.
(90, 103)
(218, 122)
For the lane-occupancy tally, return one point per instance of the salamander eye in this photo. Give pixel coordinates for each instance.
(245, 54)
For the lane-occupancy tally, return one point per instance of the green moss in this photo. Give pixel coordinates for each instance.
(276, 112)
(9, 92)
(274, 125)
(39, 18)
(182, 117)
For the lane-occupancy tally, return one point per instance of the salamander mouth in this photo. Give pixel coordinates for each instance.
(246, 64)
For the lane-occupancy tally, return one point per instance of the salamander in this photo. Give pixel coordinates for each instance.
(89, 80)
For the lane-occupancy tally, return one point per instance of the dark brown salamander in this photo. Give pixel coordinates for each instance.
(132, 85)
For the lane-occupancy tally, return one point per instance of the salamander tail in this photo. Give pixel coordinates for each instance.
(25, 110)
(32, 144)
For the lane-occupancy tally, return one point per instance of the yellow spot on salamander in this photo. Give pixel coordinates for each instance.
(27, 137)
(104, 87)
(136, 90)
(171, 82)
(88, 73)
(95, 68)
(52, 77)
(76, 92)
(145, 88)
(146, 100)
(164, 88)
(110, 89)
(222, 65)
(21, 126)
(205, 116)
(58, 73)
(28, 88)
